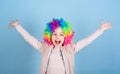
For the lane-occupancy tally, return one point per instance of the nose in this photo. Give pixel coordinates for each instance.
(57, 36)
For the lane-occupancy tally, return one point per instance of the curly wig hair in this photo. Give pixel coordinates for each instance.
(64, 25)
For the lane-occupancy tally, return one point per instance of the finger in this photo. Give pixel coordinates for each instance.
(10, 23)
(101, 22)
(110, 26)
(12, 20)
(10, 26)
(17, 20)
(107, 25)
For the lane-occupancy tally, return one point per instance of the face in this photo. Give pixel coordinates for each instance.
(58, 37)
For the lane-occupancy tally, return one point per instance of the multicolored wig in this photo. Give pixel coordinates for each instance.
(64, 25)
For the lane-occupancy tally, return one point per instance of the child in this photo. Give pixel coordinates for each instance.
(57, 49)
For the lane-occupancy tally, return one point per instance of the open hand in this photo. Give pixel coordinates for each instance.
(13, 24)
(105, 25)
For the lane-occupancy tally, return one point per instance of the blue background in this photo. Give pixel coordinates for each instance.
(100, 57)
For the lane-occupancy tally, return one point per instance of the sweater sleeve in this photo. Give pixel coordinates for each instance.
(29, 38)
(86, 41)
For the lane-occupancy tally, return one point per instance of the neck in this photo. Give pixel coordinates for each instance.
(56, 47)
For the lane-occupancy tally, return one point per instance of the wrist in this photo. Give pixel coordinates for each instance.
(102, 30)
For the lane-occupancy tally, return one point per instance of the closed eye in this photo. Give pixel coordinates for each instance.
(54, 34)
(61, 34)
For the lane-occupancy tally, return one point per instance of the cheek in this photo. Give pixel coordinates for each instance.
(53, 38)
(62, 38)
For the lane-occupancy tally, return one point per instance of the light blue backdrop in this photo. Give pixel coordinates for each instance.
(100, 57)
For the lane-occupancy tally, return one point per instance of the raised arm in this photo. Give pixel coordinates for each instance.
(29, 38)
(86, 41)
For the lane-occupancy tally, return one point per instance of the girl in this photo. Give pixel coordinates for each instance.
(57, 49)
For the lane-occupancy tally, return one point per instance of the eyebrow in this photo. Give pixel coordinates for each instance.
(62, 32)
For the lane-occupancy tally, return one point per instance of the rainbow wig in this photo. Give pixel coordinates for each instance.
(65, 26)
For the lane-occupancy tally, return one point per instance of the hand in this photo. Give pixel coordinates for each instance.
(13, 24)
(105, 26)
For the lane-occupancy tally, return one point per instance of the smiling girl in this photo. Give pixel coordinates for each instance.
(58, 49)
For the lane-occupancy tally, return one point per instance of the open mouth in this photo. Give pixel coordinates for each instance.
(57, 42)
